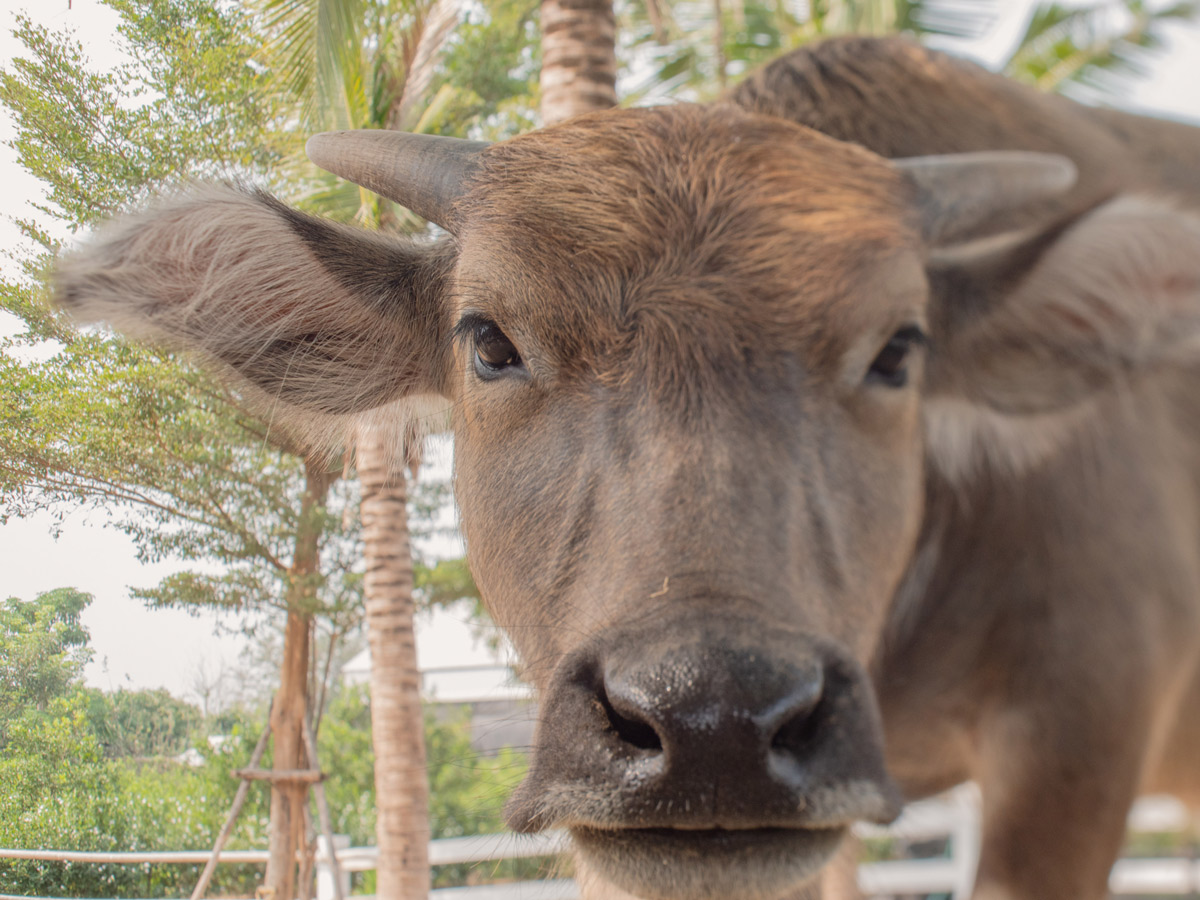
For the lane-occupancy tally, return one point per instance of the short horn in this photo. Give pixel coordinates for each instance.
(423, 172)
(964, 196)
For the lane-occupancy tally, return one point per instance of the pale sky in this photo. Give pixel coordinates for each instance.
(139, 648)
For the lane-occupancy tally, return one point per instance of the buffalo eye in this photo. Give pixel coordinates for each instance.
(494, 352)
(890, 367)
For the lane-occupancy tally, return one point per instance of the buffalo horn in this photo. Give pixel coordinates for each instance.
(423, 172)
(965, 196)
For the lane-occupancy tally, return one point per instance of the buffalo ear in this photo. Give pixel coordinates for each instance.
(315, 321)
(965, 196)
(1035, 331)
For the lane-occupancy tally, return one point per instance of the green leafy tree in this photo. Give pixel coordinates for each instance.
(466, 790)
(56, 784)
(62, 791)
(486, 86)
(106, 424)
(103, 423)
(170, 454)
(467, 793)
(43, 649)
(347, 64)
(143, 725)
(74, 774)
(187, 103)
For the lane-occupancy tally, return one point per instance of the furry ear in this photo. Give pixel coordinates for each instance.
(314, 320)
(961, 196)
(1070, 315)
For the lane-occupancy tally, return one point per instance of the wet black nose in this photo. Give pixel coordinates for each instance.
(715, 710)
(696, 731)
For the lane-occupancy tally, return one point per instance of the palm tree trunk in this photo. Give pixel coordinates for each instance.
(289, 798)
(579, 66)
(397, 724)
(397, 720)
(579, 63)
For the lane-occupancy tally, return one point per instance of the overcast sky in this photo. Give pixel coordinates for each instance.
(138, 648)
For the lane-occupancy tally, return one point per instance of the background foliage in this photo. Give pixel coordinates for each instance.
(141, 770)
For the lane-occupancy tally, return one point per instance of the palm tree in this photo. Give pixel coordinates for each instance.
(360, 64)
(397, 722)
(579, 58)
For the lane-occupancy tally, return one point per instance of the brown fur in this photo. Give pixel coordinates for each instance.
(899, 99)
(744, 574)
(257, 288)
(668, 238)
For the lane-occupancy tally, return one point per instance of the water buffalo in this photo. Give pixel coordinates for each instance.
(811, 464)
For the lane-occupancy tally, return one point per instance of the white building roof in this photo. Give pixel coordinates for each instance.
(457, 660)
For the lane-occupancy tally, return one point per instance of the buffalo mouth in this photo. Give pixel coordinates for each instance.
(707, 863)
(699, 768)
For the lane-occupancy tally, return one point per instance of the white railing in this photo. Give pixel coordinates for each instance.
(477, 848)
(954, 815)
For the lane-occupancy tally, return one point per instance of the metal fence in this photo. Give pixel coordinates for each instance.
(954, 816)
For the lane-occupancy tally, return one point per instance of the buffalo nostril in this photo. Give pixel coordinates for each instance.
(630, 727)
(796, 719)
(798, 732)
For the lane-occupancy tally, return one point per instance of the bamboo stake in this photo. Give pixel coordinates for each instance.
(310, 743)
(227, 829)
(305, 885)
(310, 776)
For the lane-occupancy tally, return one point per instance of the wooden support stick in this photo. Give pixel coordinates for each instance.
(227, 829)
(305, 883)
(310, 743)
(310, 776)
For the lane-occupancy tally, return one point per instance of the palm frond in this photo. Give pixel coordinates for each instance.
(354, 64)
(948, 18)
(1096, 46)
(314, 45)
(428, 41)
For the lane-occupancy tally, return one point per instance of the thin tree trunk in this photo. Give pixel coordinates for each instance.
(397, 724)
(288, 798)
(579, 64)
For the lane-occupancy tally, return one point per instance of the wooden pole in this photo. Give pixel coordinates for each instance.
(308, 776)
(304, 887)
(227, 829)
(310, 744)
